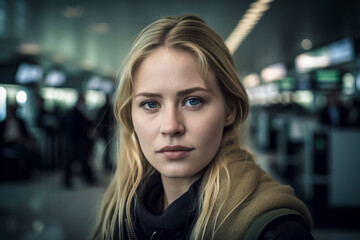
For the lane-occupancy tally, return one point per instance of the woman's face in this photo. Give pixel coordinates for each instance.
(177, 115)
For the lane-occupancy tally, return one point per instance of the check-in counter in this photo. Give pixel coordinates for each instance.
(292, 131)
(332, 164)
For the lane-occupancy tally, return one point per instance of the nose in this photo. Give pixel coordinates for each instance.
(172, 123)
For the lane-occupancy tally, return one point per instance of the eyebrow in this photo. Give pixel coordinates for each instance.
(180, 93)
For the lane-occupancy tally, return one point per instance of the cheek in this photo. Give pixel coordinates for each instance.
(209, 130)
(144, 129)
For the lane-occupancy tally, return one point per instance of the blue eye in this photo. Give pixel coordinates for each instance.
(192, 102)
(151, 105)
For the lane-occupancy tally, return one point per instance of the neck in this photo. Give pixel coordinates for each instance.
(175, 187)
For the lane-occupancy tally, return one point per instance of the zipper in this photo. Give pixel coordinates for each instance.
(127, 229)
(155, 235)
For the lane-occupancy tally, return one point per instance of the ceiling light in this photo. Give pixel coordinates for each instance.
(273, 72)
(58, 58)
(107, 70)
(29, 48)
(265, 1)
(87, 64)
(73, 12)
(306, 44)
(101, 27)
(259, 7)
(251, 80)
(21, 97)
(246, 24)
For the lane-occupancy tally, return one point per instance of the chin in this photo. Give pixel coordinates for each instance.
(176, 175)
(179, 173)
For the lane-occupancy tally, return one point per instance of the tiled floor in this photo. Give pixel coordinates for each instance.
(44, 209)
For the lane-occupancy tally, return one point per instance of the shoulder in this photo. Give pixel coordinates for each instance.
(285, 228)
(279, 224)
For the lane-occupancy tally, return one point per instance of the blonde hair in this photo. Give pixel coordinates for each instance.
(189, 33)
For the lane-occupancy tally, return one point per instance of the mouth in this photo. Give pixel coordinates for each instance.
(175, 152)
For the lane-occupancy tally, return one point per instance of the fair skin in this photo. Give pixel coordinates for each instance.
(178, 117)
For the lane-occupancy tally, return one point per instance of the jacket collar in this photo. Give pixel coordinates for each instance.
(178, 217)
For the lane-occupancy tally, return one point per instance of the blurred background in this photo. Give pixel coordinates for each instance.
(299, 61)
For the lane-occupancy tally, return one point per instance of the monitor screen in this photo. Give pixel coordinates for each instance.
(336, 53)
(327, 79)
(55, 78)
(357, 81)
(304, 82)
(28, 73)
(287, 84)
(99, 83)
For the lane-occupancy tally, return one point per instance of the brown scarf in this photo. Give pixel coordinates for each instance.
(252, 193)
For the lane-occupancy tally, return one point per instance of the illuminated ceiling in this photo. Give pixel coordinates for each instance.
(96, 35)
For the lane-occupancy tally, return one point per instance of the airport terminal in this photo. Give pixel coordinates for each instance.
(60, 63)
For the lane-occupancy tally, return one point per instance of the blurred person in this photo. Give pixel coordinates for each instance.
(334, 113)
(47, 120)
(50, 124)
(354, 113)
(182, 168)
(103, 129)
(17, 150)
(78, 142)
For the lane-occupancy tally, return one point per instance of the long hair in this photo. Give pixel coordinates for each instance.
(188, 33)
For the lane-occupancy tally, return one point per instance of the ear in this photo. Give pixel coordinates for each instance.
(230, 116)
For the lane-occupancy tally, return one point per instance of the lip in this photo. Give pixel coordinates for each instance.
(175, 151)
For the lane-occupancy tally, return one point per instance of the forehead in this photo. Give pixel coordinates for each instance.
(168, 63)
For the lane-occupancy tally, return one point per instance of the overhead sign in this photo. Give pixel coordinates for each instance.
(333, 54)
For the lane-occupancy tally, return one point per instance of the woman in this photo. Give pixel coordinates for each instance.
(181, 170)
